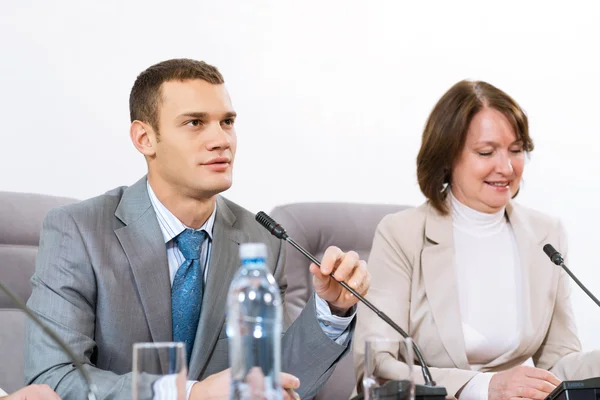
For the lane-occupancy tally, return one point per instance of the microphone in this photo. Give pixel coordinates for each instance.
(91, 387)
(584, 389)
(557, 259)
(277, 230)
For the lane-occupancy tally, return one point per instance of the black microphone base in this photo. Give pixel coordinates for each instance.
(587, 389)
(424, 392)
(396, 390)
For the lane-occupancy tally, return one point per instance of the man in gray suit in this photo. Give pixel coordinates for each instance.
(110, 269)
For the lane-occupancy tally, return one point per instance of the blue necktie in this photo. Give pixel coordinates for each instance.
(186, 293)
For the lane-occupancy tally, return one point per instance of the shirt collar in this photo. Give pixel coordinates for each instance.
(170, 225)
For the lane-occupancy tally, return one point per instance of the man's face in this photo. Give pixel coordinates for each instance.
(196, 142)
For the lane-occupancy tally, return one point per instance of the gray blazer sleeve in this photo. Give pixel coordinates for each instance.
(64, 297)
(307, 352)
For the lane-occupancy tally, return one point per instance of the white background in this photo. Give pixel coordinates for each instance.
(332, 97)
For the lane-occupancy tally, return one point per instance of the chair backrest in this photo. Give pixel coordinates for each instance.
(21, 216)
(316, 226)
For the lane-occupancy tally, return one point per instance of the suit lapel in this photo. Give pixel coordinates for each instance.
(144, 246)
(439, 275)
(223, 264)
(536, 281)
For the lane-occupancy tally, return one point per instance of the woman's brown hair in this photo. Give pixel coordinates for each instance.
(446, 129)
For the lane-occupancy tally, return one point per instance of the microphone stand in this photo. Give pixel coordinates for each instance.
(557, 259)
(586, 389)
(429, 391)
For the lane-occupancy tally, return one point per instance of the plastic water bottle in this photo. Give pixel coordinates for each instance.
(254, 328)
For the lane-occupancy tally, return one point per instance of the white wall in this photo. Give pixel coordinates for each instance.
(338, 91)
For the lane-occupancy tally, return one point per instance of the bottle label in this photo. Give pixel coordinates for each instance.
(253, 262)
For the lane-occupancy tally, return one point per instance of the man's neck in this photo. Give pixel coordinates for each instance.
(192, 212)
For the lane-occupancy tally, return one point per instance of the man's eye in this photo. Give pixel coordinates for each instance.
(228, 121)
(195, 122)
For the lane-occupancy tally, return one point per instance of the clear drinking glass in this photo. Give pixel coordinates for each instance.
(159, 371)
(384, 377)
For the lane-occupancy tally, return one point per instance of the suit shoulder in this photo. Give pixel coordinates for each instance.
(98, 206)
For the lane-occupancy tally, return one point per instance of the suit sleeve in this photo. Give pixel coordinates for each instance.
(560, 352)
(307, 352)
(391, 281)
(64, 298)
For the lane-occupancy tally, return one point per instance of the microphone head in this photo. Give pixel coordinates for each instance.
(269, 224)
(554, 255)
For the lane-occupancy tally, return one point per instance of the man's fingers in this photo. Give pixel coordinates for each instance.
(289, 394)
(316, 271)
(360, 279)
(320, 281)
(330, 260)
(346, 267)
(289, 381)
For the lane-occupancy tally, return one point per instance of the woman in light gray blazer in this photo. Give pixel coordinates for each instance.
(464, 274)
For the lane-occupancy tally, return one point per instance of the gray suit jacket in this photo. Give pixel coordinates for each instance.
(102, 283)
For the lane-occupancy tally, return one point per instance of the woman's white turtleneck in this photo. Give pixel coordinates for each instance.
(490, 281)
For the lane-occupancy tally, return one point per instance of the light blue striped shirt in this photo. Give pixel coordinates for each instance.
(336, 328)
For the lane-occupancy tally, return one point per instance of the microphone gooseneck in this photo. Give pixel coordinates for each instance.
(23, 307)
(558, 259)
(277, 230)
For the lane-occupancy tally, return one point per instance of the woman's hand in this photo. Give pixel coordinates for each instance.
(522, 382)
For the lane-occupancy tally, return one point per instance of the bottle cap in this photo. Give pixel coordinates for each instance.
(253, 250)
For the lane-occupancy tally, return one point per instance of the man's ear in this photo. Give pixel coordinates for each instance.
(143, 138)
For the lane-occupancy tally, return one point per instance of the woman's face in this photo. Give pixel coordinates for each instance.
(488, 171)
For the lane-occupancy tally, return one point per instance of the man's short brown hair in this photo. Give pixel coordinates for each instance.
(145, 96)
(446, 130)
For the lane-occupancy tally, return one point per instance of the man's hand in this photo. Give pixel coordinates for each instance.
(33, 392)
(523, 382)
(344, 267)
(217, 385)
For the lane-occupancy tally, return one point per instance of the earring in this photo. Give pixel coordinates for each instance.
(446, 182)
